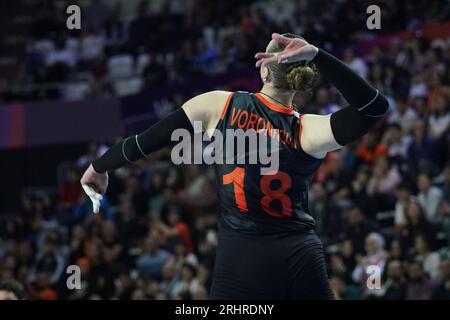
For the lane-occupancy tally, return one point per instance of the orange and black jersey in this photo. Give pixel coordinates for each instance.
(253, 202)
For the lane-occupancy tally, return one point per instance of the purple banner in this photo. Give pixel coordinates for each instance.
(47, 123)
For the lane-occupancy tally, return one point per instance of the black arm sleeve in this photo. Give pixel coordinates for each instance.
(139, 146)
(367, 104)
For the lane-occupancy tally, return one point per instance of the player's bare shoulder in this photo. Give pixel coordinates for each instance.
(317, 137)
(207, 107)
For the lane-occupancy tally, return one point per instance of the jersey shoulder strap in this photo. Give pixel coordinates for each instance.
(238, 99)
(241, 98)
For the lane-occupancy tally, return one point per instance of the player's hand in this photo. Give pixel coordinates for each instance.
(296, 50)
(94, 184)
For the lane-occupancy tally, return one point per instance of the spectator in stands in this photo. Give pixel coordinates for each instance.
(430, 260)
(49, 260)
(375, 256)
(40, 288)
(395, 285)
(359, 194)
(440, 117)
(337, 180)
(135, 195)
(112, 248)
(339, 268)
(429, 197)
(150, 262)
(356, 227)
(356, 63)
(326, 224)
(11, 290)
(169, 277)
(130, 225)
(416, 224)
(175, 228)
(442, 291)
(323, 104)
(124, 286)
(384, 181)
(419, 286)
(404, 115)
(396, 251)
(370, 150)
(403, 196)
(188, 284)
(421, 148)
(71, 190)
(396, 142)
(342, 290)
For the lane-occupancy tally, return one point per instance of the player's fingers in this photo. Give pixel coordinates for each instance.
(94, 197)
(281, 39)
(263, 55)
(95, 205)
(89, 190)
(97, 197)
(266, 61)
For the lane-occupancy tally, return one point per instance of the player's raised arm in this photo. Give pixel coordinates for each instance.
(321, 134)
(205, 108)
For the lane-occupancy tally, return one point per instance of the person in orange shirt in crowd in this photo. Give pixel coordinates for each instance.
(435, 90)
(176, 228)
(71, 190)
(370, 150)
(40, 289)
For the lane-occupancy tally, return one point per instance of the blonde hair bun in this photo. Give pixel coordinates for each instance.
(302, 78)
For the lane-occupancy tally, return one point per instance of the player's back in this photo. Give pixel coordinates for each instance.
(264, 203)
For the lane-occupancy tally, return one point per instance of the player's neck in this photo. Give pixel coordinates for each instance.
(278, 97)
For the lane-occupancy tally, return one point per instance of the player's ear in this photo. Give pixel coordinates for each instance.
(264, 73)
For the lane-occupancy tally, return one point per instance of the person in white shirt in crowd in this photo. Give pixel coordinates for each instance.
(356, 63)
(397, 143)
(61, 54)
(385, 178)
(403, 195)
(375, 256)
(429, 259)
(418, 87)
(439, 121)
(403, 114)
(429, 197)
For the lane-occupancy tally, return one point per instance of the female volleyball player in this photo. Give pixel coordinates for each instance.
(267, 247)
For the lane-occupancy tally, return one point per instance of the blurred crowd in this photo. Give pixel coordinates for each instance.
(383, 201)
(125, 46)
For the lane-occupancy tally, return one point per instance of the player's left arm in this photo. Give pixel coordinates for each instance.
(205, 108)
(321, 134)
